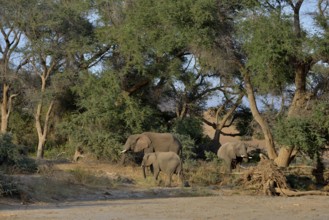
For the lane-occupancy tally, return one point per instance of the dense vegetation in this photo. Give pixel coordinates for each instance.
(84, 74)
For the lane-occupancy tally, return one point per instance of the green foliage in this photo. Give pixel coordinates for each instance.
(21, 126)
(309, 133)
(243, 121)
(190, 132)
(12, 155)
(189, 126)
(269, 42)
(9, 152)
(106, 116)
(188, 145)
(8, 187)
(210, 156)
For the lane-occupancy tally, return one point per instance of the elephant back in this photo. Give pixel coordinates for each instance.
(164, 142)
(168, 161)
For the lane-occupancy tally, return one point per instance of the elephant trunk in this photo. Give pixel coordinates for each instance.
(144, 172)
(245, 158)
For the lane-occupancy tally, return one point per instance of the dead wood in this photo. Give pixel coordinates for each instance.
(270, 179)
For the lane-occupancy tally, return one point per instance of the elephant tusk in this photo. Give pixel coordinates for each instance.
(250, 157)
(124, 151)
(243, 155)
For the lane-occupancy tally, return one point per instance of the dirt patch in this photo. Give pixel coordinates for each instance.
(215, 207)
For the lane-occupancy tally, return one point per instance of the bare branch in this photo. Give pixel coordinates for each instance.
(10, 104)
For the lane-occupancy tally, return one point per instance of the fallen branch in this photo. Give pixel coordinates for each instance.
(288, 192)
(269, 178)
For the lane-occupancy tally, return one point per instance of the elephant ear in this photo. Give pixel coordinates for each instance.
(231, 152)
(142, 143)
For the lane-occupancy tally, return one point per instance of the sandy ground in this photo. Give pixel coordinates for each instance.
(215, 207)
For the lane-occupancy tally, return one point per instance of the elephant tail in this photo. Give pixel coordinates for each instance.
(181, 176)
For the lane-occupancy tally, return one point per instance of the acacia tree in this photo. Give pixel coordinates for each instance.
(55, 33)
(11, 58)
(157, 39)
(274, 43)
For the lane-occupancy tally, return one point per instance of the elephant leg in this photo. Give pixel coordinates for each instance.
(184, 183)
(169, 179)
(234, 164)
(123, 159)
(228, 166)
(152, 169)
(156, 174)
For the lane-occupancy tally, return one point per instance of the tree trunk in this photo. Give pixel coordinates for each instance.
(296, 108)
(283, 158)
(301, 96)
(215, 141)
(4, 107)
(259, 119)
(181, 110)
(42, 132)
(222, 123)
(41, 144)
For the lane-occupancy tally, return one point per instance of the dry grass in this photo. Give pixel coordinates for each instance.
(92, 179)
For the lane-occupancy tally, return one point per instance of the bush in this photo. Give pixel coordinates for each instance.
(202, 173)
(189, 127)
(12, 155)
(7, 186)
(190, 133)
(188, 146)
(300, 132)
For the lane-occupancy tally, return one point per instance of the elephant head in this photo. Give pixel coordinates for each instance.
(239, 150)
(148, 159)
(136, 143)
(233, 153)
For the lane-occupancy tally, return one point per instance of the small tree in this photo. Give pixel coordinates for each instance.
(11, 58)
(308, 134)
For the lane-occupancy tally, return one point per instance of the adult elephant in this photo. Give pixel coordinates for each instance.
(152, 142)
(233, 153)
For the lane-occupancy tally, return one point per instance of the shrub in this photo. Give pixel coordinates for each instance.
(12, 155)
(7, 186)
(188, 146)
(202, 173)
(300, 132)
(189, 127)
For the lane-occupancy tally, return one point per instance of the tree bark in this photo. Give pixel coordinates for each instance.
(11, 38)
(4, 107)
(42, 132)
(300, 97)
(283, 158)
(272, 154)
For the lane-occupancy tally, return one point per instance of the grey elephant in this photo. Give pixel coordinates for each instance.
(233, 153)
(167, 162)
(149, 142)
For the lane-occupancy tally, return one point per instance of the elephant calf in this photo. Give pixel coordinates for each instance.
(167, 162)
(233, 153)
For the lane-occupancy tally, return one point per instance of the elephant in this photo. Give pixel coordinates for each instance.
(233, 153)
(152, 142)
(167, 162)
